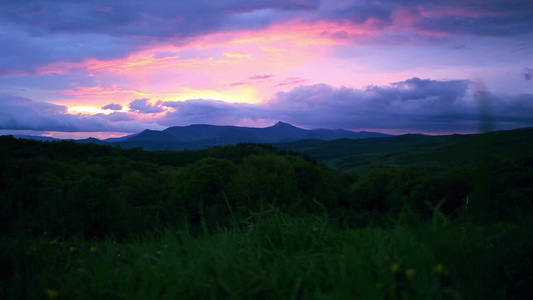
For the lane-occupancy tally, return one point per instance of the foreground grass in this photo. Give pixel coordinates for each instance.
(275, 256)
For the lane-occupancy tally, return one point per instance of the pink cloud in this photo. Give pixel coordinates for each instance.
(292, 81)
(165, 72)
(259, 77)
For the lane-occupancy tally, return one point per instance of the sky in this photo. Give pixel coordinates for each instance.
(107, 68)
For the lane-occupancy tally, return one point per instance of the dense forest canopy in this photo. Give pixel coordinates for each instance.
(96, 190)
(408, 217)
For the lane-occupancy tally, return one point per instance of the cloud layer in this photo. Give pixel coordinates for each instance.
(17, 113)
(413, 105)
(102, 66)
(64, 30)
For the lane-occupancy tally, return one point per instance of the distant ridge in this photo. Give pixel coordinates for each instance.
(424, 151)
(200, 136)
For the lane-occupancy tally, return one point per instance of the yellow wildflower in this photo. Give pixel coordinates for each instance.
(94, 249)
(72, 249)
(395, 268)
(52, 294)
(439, 269)
(315, 229)
(409, 273)
(52, 242)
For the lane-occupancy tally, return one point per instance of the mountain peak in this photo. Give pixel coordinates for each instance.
(203, 136)
(281, 124)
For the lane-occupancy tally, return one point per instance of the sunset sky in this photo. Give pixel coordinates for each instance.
(104, 68)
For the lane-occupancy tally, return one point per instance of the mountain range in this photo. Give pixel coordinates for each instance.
(341, 149)
(200, 136)
(203, 136)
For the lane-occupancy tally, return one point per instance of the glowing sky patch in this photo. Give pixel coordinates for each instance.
(87, 110)
(251, 55)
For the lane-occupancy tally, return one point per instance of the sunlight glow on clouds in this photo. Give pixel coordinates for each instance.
(87, 110)
(406, 106)
(114, 66)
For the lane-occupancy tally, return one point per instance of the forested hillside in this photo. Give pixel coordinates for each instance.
(407, 229)
(422, 151)
(66, 188)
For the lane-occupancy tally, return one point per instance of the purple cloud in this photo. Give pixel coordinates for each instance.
(455, 17)
(358, 12)
(19, 113)
(140, 19)
(481, 18)
(200, 111)
(113, 106)
(70, 31)
(527, 73)
(73, 31)
(143, 106)
(421, 105)
(413, 105)
(117, 116)
(291, 81)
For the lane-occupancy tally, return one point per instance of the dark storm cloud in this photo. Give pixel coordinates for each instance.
(24, 53)
(413, 105)
(482, 18)
(453, 17)
(413, 89)
(18, 113)
(39, 32)
(513, 24)
(416, 105)
(61, 30)
(143, 106)
(200, 111)
(113, 106)
(138, 17)
(358, 12)
(162, 19)
(421, 104)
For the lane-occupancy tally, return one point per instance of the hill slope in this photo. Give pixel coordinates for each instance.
(203, 136)
(417, 150)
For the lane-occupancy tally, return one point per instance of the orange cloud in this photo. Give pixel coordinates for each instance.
(170, 72)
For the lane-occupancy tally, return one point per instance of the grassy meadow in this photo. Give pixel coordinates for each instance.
(253, 222)
(276, 256)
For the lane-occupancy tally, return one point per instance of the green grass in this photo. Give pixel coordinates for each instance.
(276, 256)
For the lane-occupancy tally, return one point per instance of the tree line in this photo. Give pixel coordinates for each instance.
(67, 188)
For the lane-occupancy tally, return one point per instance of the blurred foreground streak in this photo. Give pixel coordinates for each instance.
(486, 110)
(481, 201)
